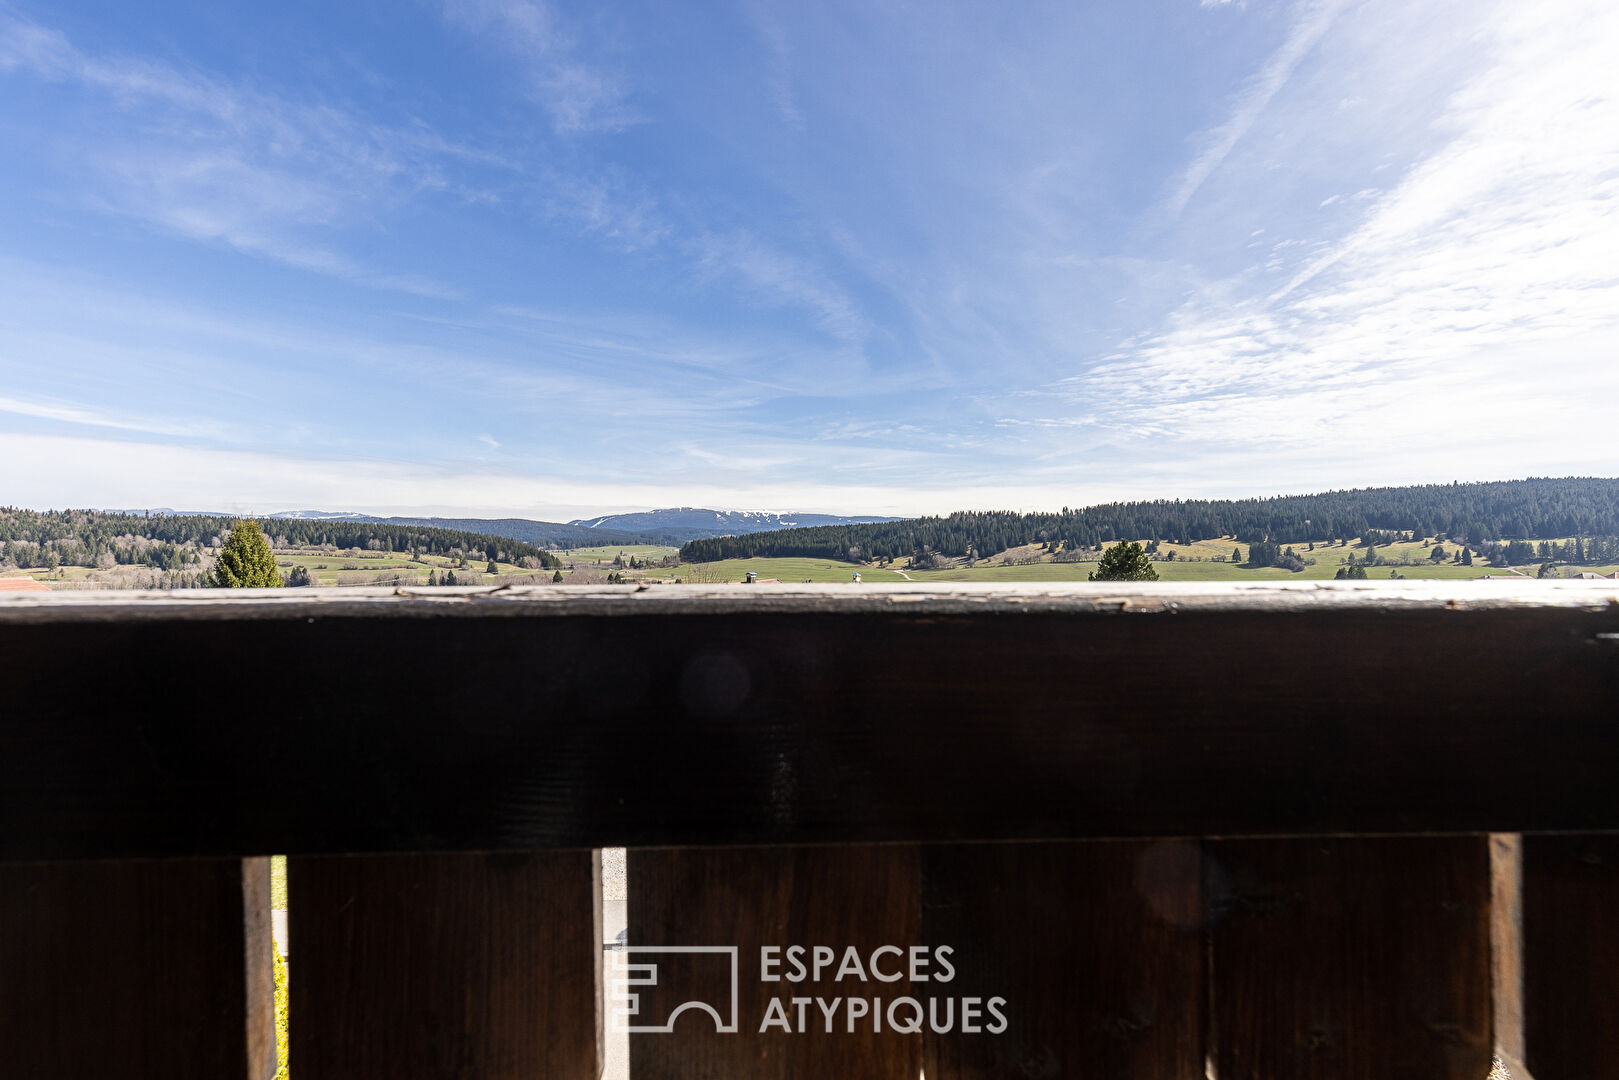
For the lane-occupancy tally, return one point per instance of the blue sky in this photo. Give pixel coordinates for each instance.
(518, 257)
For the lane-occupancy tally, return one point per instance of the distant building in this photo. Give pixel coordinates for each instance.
(753, 576)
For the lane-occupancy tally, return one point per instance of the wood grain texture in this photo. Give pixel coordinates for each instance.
(1571, 956)
(860, 896)
(446, 967)
(1356, 959)
(1285, 712)
(132, 968)
(1506, 947)
(1097, 948)
(258, 967)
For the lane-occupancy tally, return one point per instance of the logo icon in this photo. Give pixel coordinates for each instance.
(635, 975)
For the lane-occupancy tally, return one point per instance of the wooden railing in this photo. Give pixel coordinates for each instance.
(1235, 831)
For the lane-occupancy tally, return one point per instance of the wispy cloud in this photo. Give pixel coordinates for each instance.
(1481, 286)
(225, 163)
(1314, 19)
(579, 96)
(63, 412)
(780, 278)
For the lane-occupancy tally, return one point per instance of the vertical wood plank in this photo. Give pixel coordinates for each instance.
(863, 896)
(258, 967)
(1571, 956)
(1350, 958)
(130, 968)
(1506, 948)
(446, 967)
(1097, 948)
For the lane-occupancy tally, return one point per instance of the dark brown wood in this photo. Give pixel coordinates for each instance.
(759, 716)
(130, 969)
(446, 967)
(1362, 959)
(1096, 947)
(840, 897)
(1571, 956)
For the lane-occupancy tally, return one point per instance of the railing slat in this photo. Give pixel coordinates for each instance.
(426, 967)
(1351, 958)
(859, 895)
(1097, 948)
(135, 968)
(1571, 956)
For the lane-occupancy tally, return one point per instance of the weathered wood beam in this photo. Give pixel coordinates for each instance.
(322, 721)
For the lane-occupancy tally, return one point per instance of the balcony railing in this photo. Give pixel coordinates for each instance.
(1329, 830)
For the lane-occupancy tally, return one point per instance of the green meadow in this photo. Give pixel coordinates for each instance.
(1207, 560)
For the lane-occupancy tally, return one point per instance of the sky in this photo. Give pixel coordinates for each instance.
(531, 258)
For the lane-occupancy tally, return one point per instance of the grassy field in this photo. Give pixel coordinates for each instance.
(788, 570)
(326, 568)
(1192, 562)
(604, 556)
(1206, 560)
(363, 568)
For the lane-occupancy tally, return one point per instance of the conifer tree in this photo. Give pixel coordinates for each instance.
(1124, 562)
(245, 560)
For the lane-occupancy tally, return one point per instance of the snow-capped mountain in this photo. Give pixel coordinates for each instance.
(718, 522)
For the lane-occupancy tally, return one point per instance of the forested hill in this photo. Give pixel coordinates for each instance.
(83, 537)
(1498, 510)
(552, 533)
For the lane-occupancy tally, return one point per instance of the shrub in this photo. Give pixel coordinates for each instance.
(282, 1046)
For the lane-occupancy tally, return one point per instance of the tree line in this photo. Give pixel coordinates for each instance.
(54, 538)
(1473, 513)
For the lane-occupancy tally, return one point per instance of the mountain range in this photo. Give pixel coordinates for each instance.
(672, 527)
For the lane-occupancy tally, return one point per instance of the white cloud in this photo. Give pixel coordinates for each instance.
(1315, 17)
(97, 472)
(225, 163)
(1472, 315)
(580, 96)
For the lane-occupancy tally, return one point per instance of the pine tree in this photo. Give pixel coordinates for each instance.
(556, 578)
(1124, 562)
(245, 560)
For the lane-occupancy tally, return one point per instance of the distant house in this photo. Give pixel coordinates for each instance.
(21, 584)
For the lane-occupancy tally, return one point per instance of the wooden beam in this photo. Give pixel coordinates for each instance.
(856, 896)
(136, 968)
(421, 967)
(1571, 956)
(1095, 948)
(993, 714)
(1336, 958)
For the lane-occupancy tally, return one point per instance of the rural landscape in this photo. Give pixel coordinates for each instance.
(1536, 528)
